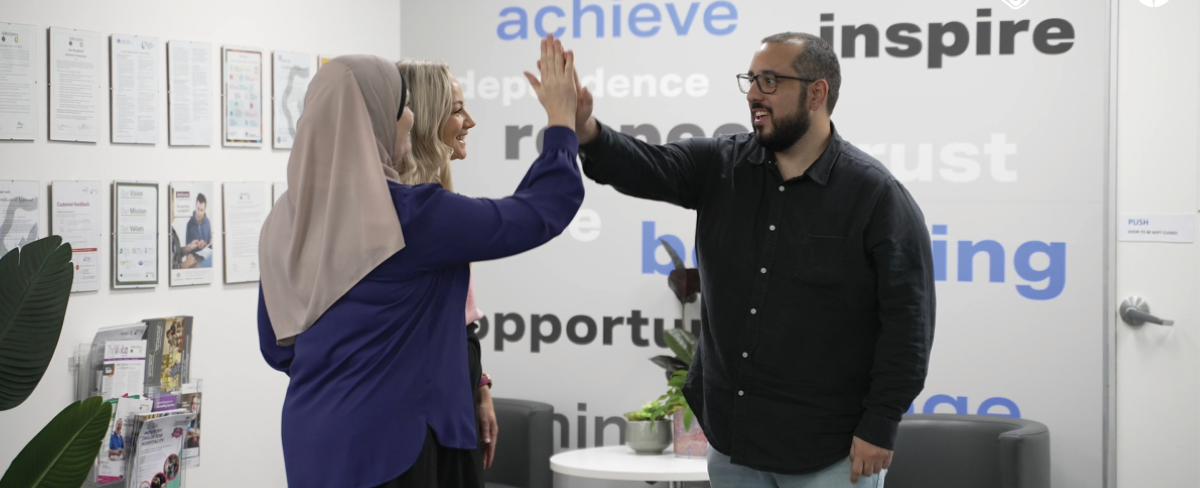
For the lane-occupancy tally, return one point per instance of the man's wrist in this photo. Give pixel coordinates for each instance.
(589, 131)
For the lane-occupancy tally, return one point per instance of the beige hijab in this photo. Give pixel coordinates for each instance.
(336, 222)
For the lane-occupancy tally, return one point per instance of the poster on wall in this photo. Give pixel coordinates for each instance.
(18, 81)
(246, 208)
(75, 215)
(190, 235)
(241, 87)
(1017, 290)
(76, 62)
(189, 93)
(135, 235)
(134, 79)
(291, 72)
(321, 60)
(18, 214)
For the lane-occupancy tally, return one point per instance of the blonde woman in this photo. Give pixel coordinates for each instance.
(365, 277)
(439, 136)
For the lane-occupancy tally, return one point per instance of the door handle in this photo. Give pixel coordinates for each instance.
(1135, 311)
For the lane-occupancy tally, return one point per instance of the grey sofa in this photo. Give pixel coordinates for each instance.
(959, 451)
(524, 445)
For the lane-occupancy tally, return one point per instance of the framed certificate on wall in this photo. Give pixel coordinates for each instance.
(246, 207)
(135, 235)
(242, 100)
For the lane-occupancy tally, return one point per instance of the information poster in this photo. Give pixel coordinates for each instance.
(245, 210)
(156, 456)
(76, 59)
(189, 93)
(75, 215)
(18, 214)
(134, 78)
(135, 231)
(190, 238)
(291, 73)
(242, 85)
(18, 120)
(189, 399)
(124, 368)
(277, 190)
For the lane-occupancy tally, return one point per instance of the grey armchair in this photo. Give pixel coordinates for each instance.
(953, 451)
(524, 445)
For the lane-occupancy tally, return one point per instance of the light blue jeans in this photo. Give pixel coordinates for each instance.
(724, 474)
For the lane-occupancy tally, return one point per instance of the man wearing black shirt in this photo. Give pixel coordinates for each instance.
(818, 296)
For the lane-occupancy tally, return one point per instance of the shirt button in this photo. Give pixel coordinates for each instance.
(745, 354)
(764, 270)
(772, 227)
(741, 393)
(753, 311)
(780, 187)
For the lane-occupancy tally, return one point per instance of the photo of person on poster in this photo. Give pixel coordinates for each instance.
(190, 233)
(195, 250)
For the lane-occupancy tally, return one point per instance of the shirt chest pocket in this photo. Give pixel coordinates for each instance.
(821, 260)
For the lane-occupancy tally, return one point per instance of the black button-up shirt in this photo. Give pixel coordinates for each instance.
(817, 293)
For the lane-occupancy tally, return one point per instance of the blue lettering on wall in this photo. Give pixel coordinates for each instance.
(644, 19)
(650, 245)
(539, 22)
(961, 406)
(1054, 275)
(1045, 283)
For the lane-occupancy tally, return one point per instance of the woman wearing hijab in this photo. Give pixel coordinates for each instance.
(364, 279)
(438, 136)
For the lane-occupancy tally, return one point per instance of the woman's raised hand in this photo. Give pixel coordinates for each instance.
(556, 90)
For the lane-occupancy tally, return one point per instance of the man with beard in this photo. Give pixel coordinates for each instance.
(816, 271)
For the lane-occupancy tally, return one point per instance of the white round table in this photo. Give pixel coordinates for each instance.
(621, 463)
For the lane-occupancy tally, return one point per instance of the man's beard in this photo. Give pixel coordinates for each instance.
(787, 130)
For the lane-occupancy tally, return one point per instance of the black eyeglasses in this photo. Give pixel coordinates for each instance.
(767, 82)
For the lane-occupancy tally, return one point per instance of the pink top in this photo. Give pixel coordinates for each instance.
(473, 312)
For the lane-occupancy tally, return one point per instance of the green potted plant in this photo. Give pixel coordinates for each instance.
(689, 437)
(35, 284)
(647, 431)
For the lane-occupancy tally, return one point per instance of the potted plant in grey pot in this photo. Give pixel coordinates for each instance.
(647, 431)
(688, 436)
(35, 284)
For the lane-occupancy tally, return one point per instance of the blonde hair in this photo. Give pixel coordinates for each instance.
(432, 102)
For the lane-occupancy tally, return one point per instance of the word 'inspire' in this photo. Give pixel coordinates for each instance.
(1050, 36)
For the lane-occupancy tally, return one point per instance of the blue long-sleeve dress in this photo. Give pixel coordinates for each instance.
(390, 356)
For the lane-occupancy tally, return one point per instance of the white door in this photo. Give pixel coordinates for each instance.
(1157, 387)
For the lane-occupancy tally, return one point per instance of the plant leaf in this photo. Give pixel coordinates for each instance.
(687, 418)
(677, 380)
(682, 343)
(61, 455)
(669, 363)
(674, 255)
(35, 284)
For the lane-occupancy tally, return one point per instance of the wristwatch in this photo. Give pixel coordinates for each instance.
(485, 380)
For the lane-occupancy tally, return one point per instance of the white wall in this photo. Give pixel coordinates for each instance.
(243, 396)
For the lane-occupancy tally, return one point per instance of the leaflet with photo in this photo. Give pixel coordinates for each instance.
(190, 235)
